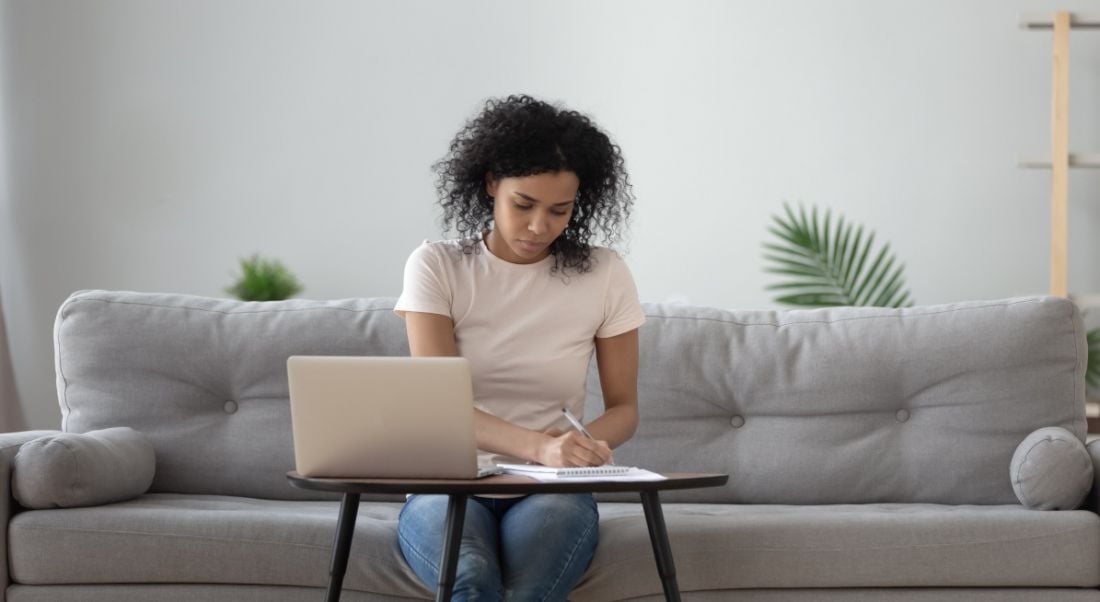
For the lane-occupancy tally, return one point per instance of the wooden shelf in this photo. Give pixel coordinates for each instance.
(1086, 160)
(1046, 21)
(1061, 160)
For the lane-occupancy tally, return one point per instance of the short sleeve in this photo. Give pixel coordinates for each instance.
(622, 310)
(424, 288)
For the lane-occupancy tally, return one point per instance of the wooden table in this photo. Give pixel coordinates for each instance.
(459, 489)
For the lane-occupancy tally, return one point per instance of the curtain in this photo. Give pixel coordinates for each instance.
(11, 411)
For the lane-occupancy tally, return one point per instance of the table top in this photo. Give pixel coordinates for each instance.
(503, 484)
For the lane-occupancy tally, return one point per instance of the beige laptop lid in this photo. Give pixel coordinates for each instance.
(392, 417)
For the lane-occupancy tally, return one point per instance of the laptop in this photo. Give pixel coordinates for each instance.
(383, 417)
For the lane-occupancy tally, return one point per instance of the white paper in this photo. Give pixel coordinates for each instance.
(546, 474)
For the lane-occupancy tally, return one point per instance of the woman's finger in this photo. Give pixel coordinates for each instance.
(588, 456)
(605, 453)
(602, 451)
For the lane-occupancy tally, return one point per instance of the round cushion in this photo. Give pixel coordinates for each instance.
(1051, 470)
(67, 470)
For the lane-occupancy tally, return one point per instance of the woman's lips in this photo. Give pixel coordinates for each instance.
(530, 246)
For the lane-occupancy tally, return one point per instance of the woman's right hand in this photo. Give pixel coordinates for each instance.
(573, 449)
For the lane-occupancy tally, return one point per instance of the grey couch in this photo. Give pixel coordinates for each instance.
(868, 452)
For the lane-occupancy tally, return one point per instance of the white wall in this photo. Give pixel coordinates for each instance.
(149, 144)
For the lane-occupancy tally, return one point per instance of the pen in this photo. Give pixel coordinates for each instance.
(577, 425)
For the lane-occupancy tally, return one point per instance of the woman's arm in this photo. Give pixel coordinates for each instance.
(432, 335)
(617, 360)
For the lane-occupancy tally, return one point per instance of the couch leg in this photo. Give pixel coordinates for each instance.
(345, 528)
(658, 536)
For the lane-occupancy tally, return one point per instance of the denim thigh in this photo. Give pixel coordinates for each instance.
(531, 548)
(420, 531)
(547, 542)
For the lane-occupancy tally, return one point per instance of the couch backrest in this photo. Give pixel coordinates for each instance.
(854, 405)
(205, 378)
(844, 405)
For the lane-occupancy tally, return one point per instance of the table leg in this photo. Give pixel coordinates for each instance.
(456, 514)
(345, 528)
(658, 536)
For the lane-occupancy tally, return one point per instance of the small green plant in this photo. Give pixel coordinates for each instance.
(264, 280)
(829, 266)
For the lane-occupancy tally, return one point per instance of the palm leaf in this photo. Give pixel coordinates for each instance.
(827, 263)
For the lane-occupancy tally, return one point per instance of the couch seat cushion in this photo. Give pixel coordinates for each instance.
(722, 546)
(161, 538)
(185, 538)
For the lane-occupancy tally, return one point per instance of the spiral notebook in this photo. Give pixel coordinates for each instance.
(583, 473)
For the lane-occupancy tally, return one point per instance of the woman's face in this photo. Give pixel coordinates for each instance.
(529, 213)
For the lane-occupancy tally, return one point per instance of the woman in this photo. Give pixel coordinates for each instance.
(526, 298)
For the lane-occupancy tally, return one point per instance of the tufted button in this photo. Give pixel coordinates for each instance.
(737, 421)
(230, 406)
(902, 415)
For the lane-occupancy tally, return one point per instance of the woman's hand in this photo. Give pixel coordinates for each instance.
(573, 449)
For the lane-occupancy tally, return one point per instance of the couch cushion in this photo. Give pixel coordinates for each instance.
(164, 538)
(853, 404)
(205, 378)
(64, 470)
(857, 545)
(1051, 470)
(175, 592)
(823, 406)
(215, 539)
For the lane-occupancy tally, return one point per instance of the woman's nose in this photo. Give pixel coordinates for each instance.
(537, 225)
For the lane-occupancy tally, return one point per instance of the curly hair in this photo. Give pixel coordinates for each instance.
(520, 136)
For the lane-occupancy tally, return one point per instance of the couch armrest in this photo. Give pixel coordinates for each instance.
(9, 446)
(1092, 500)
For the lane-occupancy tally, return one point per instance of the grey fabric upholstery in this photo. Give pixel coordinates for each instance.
(66, 470)
(730, 546)
(1051, 470)
(173, 366)
(1092, 500)
(868, 449)
(222, 539)
(267, 593)
(853, 405)
(717, 546)
(9, 446)
(845, 405)
(182, 592)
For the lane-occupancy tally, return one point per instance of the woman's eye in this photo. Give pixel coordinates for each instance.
(526, 207)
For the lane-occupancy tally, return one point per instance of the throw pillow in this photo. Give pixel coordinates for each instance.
(67, 470)
(1051, 470)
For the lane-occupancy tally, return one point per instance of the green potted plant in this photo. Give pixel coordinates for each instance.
(828, 266)
(831, 265)
(264, 280)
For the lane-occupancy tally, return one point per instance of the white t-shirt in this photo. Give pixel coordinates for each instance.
(528, 334)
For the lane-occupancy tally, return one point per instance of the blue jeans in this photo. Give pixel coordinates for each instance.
(529, 548)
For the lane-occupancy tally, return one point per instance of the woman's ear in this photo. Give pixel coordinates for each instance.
(490, 185)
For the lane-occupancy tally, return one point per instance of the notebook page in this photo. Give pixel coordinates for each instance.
(583, 474)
